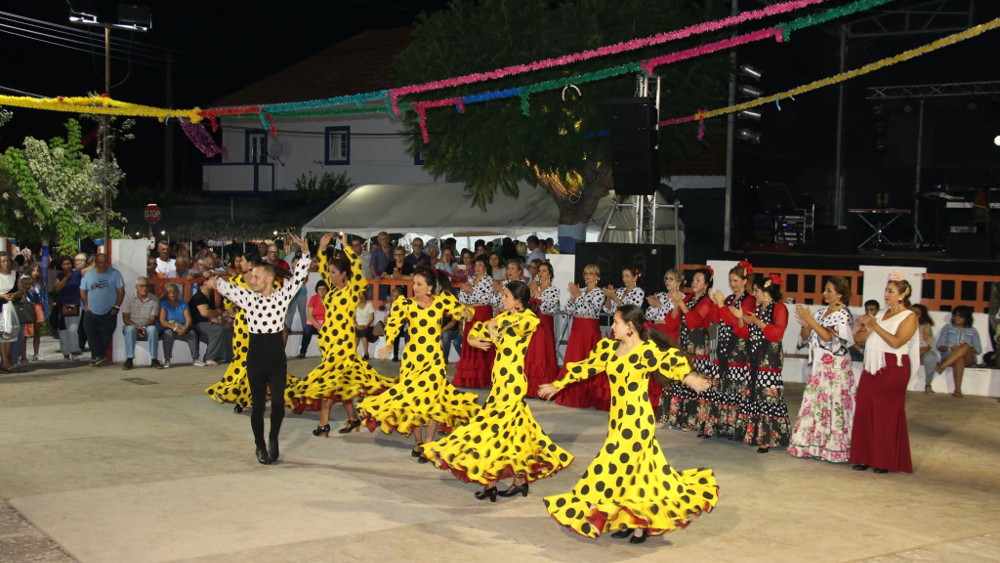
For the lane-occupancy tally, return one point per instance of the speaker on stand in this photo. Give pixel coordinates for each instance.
(635, 163)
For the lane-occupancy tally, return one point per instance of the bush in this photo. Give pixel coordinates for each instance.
(328, 186)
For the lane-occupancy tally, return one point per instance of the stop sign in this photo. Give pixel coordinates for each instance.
(152, 213)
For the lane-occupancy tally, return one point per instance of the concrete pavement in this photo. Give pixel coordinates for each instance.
(97, 468)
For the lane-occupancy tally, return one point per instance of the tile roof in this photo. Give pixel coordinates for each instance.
(362, 63)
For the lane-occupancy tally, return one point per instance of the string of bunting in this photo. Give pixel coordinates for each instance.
(102, 105)
(200, 137)
(844, 76)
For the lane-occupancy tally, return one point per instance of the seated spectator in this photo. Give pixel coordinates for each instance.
(315, 315)
(447, 261)
(432, 253)
(958, 343)
(165, 265)
(176, 324)
(861, 333)
(928, 359)
(211, 262)
(140, 310)
(208, 322)
(364, 316)
(535, 250)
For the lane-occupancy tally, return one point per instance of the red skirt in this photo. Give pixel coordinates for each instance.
(540, 361)
(474, 366)
(595, 391)
(879, 437)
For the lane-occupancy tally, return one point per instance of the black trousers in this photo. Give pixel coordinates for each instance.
(266, 369)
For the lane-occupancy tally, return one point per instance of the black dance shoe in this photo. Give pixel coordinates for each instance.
(763, 450)
(351, 425)
(417, 451)
(638, 539)
(859, 467)
(262, 456)
(237, 409)
(880, 470)
(272, 449)
(322, 431)
(623, 533)
(514, 490)
(422, 459)
(490, 493)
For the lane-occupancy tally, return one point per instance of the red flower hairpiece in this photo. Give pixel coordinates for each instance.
(711, 271)
(773, 279)
(747, 266)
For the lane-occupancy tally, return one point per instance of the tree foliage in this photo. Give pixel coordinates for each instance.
(52, 190)
(494, 147)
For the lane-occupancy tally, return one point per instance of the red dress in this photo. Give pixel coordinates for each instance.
(540, 361)
(879, 437)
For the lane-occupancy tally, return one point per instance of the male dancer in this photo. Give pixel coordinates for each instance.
(265, 309)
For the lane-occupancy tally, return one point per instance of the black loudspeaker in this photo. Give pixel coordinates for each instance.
(635, 164)
(968, 245)
(652, 259)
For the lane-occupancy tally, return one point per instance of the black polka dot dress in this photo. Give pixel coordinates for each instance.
(503, 440)
(341, 375)
(234, 387)
(422, 394)
(630, 484)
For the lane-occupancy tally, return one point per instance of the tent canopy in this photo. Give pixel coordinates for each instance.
(444, 209)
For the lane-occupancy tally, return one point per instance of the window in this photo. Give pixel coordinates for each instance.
(256, 146)
(418, 159)
(338, 145)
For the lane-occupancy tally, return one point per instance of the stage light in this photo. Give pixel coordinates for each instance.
(748, 135)
(750, 91)
(750, 114)
(750, 72)
(996, 140)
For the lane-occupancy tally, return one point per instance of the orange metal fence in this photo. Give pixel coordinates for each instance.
(944, 292)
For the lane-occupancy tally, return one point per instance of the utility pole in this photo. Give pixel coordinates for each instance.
(106, 135)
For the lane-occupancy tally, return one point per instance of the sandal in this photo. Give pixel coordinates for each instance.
(928, 390)
(958, 395)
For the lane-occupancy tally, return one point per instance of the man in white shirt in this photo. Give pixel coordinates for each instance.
(535, 250)
(165, 265)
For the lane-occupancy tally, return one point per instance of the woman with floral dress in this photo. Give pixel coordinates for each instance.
(474, 365)
(630, 489)
(697, 311)
(823, 427)
(585, 304)
(503, 440)
(762, 419)
(540, 363)
(717, 411)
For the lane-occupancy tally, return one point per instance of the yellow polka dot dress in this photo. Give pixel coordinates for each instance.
(422, 394)
(503, 440)
(630, 484)
(341, 375)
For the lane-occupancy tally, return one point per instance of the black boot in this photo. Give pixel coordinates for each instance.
(272, 448)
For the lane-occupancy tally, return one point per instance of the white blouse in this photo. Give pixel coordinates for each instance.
(633, 297)
(876, 348)
(550, 301)
(589, 304)
(266, 315)
(482, 293)
(659, 314)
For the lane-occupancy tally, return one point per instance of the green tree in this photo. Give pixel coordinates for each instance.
(493, 146)
(51, 190)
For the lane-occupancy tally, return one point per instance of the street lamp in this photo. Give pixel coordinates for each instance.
(132, 18)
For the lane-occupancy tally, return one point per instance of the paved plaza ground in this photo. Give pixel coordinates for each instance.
(97, 468)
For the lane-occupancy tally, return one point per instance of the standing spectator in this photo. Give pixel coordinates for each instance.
(67, 288)
(358, 246)
(166, 266)
(274, 258)
(432, 253)
(102, 291)
(8, 293)
(928, 359)
(880, 438)
(88, 264)
(315, 314)
(39, 298)
(959, 345)
(207, 322)
(399, 268)
(397, 293)
(535, 250)
(418, 258)
(446, 263)
(299, 302)
(175, 324)
(861, 332)
(381, 256)
(139, 313)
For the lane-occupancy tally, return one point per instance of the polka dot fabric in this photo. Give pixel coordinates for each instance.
(503, 440)
(630, 484)
(422, 393)
(233, 387)
(266, 314)
(341, 375)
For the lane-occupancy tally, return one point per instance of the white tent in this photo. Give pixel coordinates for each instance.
(444, 209)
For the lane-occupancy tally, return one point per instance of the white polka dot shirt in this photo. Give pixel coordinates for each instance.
(266, 315)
